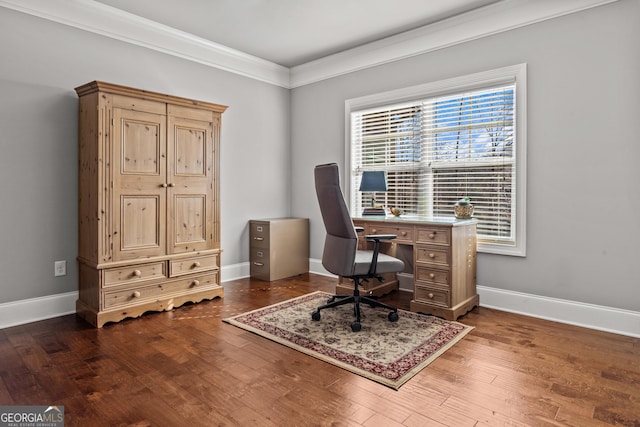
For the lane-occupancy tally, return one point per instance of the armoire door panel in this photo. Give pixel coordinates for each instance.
(190, 218)
(139, 146)
(190, 151)
(190, 161)
(141, 149)
(138, 224)
(140, 184)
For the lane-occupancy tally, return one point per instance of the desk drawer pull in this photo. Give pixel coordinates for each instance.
(196, 264)
(258, 238)
(195, 282)
(432, 255)
(259, 264)
(432, 235)
(136, 294)
(430, 295)
(137, 273)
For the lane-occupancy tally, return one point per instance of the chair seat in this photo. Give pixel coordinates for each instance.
(386, 263)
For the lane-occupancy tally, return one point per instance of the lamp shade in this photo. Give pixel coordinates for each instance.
(373, 181)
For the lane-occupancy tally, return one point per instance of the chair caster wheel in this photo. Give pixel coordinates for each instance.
(315, 315)
(355, 326)
(393, 316)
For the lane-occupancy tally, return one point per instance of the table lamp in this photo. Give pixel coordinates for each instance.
(373, 181)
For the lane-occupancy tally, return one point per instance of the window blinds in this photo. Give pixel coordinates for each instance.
(439, 149)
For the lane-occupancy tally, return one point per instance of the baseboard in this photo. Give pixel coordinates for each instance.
(601, 318)
(608, 319)
(35, 309)
(234, 271)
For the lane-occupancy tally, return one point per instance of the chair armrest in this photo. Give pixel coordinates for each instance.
(359, 229)
(378, 237)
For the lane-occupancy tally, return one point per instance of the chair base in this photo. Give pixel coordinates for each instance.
(356, 300)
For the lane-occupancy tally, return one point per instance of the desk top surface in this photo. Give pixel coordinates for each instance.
(414, 219)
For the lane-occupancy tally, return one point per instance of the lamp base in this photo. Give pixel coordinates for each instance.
(373, 212)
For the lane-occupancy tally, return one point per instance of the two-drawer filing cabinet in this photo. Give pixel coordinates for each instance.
(279, 247)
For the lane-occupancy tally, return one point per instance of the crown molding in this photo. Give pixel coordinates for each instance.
(492, 19)
(108, 21)
(111, 22)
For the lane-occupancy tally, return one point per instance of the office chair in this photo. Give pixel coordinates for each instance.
(341, 255)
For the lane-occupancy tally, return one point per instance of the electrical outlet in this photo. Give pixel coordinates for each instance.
(60, 268)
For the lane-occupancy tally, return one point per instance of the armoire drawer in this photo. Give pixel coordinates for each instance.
(134, 273)
(134, 295)
(182, 266)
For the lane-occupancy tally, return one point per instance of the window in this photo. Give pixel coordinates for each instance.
(442, 141)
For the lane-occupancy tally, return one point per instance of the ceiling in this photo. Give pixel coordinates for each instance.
(293, 32)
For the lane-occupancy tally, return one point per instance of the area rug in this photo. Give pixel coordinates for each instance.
(383, 351)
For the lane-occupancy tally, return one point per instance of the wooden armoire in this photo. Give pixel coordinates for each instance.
(149, 205)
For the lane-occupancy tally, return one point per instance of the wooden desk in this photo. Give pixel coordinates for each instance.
(441, 254)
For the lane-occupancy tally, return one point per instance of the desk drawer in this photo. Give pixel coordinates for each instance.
(431, 275)
(434, 235)
(433, 255)
(135, 295)
(432, 295)
(404, 234)
(182, 266)
(134, 274)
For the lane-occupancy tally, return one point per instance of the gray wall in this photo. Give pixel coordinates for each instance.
(583, 99)
(41, 62)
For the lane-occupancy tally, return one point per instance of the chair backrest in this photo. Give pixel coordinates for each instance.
(341, 241)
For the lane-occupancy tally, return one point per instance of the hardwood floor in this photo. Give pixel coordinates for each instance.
(188, 368)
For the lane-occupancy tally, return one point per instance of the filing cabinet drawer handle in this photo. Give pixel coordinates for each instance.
(259, 264)
(258, 238)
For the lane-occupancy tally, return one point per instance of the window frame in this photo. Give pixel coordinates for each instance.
(506, 75)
